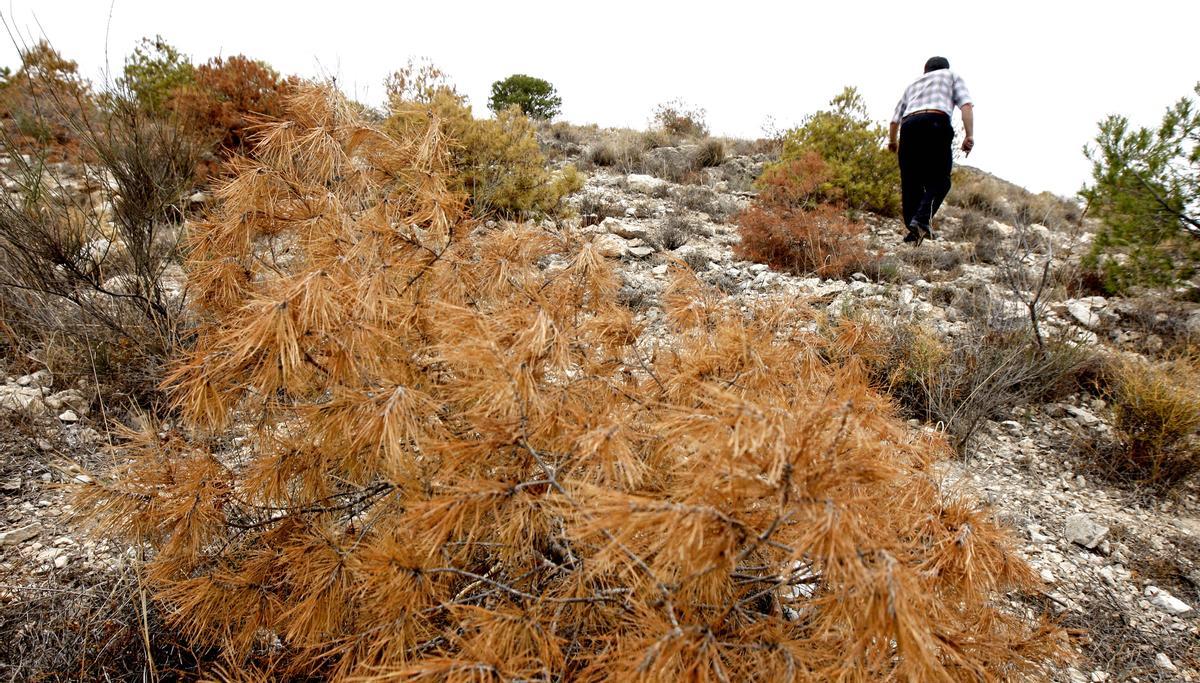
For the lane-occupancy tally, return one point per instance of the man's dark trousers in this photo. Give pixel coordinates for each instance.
(925, 163)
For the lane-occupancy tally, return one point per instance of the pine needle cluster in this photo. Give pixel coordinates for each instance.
(414, 448)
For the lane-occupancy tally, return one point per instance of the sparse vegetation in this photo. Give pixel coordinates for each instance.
(982, 376)
(84, 277)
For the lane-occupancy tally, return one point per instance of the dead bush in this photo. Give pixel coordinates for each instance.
(456, 464)
(787, 229)
(226, 99)
(981, 376)
(1156, 414)
(86, 271)
(820, 241)
(679, 118)
(674, 232)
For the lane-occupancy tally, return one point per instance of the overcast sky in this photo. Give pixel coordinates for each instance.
(1041, 73)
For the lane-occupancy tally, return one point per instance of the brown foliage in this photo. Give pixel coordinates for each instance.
(788, 229)
(43, 105)
(458, 465)
(227, 98)
(821, 240)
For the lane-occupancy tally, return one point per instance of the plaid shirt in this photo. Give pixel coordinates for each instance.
(942, 90)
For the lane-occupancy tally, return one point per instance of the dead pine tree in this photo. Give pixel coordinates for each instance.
(457, 464)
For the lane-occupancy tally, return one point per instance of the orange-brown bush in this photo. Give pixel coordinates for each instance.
(788, 229)
(227, 97)
(458, 465)
(43, 104)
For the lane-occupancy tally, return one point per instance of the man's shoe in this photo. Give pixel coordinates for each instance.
(917, 233)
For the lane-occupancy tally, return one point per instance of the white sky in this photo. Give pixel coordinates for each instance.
(1041, 73)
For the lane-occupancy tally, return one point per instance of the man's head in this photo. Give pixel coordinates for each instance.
(936, 63)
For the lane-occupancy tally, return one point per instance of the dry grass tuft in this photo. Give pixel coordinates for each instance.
(1156, 414)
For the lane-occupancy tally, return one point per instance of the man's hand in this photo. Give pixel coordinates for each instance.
(892, 146)
(968, 144)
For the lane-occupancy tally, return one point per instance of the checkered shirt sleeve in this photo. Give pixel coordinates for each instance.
(942, 90)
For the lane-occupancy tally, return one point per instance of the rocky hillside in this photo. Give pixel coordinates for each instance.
(1121, 568)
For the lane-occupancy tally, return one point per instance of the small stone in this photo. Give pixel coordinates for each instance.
(69, 416)
(640, 252)
(14, 536)
(47, 477)
(610, 246)
(24, 381)
(1047, 576)
(61, 561)
(660, 269)
(1036, 535)
(1166, 602)
(1099, 676)
(647, 184)
(1164, 662)
(1081, 530)
(44, 444)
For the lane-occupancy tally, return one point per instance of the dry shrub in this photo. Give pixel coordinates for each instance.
(821, 241)
(788, 230)
(456, 465)
(42, 104)
(674, 232)
(710, 153)
(86, 250)
(679, 118)
(1156, 414)
(226, 98)
(979, 376)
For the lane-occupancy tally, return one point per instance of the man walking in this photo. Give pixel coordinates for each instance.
(923, 121)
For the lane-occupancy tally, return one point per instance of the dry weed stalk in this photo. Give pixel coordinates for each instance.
(456, 465)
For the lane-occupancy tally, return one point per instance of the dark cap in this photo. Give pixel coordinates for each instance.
(936, 63)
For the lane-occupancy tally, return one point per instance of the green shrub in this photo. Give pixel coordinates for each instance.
(496, 161)
(862, 173)
(1146, 192)
(155, 71)
(536, 97)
